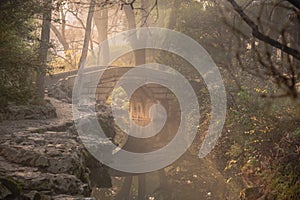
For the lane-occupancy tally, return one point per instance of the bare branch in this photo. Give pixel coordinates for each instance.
(257, 34)
(60, 37)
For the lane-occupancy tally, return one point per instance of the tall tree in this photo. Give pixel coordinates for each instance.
(87, 36)
(101, 22)
(140, 55)
(44, 46)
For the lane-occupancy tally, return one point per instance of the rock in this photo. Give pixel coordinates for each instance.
(42, 161)
(34, 195)
(9, 188)
(3, 131)
(47, 165)
(50, 162)
(61, 91)
(33, 112)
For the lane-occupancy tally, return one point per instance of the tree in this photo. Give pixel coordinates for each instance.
(87, 33)
(44, 46)
(101, 22)
(140, 58)
(138, 19)
(275, 30)
(18, 50)
(131, 24)
(68, 25)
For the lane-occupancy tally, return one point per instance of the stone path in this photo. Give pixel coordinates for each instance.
(64, 115)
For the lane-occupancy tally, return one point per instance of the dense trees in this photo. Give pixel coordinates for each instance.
(18, 49)
(44, 46)
(26, 46)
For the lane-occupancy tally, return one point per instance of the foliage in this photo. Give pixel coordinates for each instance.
(262, 143)
(256, 128)
(259, 143)
(202, 21)
(18, 49)
(271, 42)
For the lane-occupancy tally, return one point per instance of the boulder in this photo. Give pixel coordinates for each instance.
(61, 90)
(47, 165)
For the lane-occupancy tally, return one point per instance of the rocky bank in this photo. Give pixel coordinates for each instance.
(45, 159)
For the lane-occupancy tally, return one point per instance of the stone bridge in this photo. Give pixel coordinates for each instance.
(140, 102)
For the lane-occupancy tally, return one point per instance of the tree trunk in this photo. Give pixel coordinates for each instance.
(101, 22)
(174, 14)
(88, 31)
(139, 55)
(61, 38)
(45, 38)
(141, 187)
(133, 143)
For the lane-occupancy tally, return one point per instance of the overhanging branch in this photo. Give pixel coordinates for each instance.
(257, 34)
